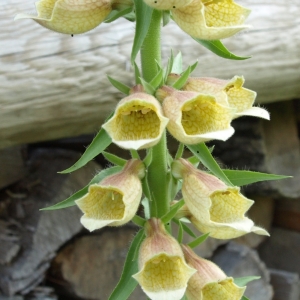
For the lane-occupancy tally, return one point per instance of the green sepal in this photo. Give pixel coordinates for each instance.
(180, 233)
(148, 87)
(172, 212)
(199, 240)
(218, 48)
(166, 17)
(169, 66)
(177, 64)
(101, 141)
(114, 159)
(202, 152)
(115, 14)
(127, 283)
(137, 74)
(158, 80)
(143, 19)
(181, 81)
(71, 200)
(240, 177)
(242, 281)
(187, 229)
(194, 66)
(123, 88)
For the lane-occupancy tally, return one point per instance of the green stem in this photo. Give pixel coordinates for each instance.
(151, 49)
(158, 179)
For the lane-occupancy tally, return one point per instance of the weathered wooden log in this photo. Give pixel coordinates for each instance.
(29, 237)
(54, 85)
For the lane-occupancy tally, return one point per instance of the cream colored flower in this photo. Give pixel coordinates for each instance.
(137, 123)
(195, 117)
(209, 282)
(163, 273)
(211, 205)
(211, 19)
(70, 16)
(232, 91)
(115, 200)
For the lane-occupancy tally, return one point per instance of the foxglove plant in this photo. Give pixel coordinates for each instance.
(194, 111)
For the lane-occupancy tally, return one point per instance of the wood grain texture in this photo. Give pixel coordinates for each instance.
(53, 85)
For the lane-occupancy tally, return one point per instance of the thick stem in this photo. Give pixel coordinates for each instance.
(158, 179)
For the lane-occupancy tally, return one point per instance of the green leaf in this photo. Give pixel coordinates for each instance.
(245, 298)
(127, 283)
(198, 240)
(218, 48)
(145, 204)
(177, 64)
(134, 154)
(187, 229)
(240, 177)
(157, 81)
(148, 87)
(203, 153)
(242, 281)
(97, 146)
(137, 74)
(181, 81)
(115, 14)
(119, 85)
(148, 159)
(143, 19)
(139, 221)
(179, 151)
(71, 200)
(194, 160)
(180, 233)
(114, 159)
(172, 212)
(194, 66)
(166, 17)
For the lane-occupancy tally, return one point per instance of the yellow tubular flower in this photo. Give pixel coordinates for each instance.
(163, 273)
(211, 205)
(209, 282)
(167, 4)
(195, 117)
(211, 19)
(137, 123)
(238, 97)
(70, 16)
(115, 200)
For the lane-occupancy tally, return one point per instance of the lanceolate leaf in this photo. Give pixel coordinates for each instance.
(119, 85)
(157, 81)
(240, 178)
(177, 64)
(127, 283)
(143, 19)
(242, 281)
(99, 144)
(71, 200)
(114, 159)
(181, 81)
(202, 152)
(170, 215)
(218, 48)
(199, 240)
(114, 15)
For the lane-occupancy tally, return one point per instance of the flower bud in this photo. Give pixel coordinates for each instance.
(211, 19)
(238, 97)
(209, 282)
(211, 205)
(195, 117)
(115, 200)
(137, 123)
(163, 273)
(70, 16)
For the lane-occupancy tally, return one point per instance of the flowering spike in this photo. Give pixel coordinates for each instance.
(195, 117)
(238, 97)
(211, 19)
(70, 16)
(163, 273)
(209, 282)
(115, 200)
(137, 123)
(211, 205)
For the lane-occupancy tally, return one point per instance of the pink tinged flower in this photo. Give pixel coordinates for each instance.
(211, 19)
(70, 16)
(238, 97)
(196, 117)
(211, 205)
(115, 200)
(163, 273)
(209, 282)
(167, 4)
(138, 122)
